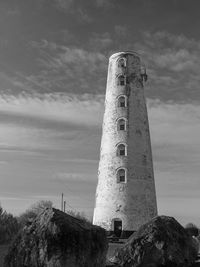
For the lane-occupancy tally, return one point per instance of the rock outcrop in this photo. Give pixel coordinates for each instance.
(160, 242)
(56, 239)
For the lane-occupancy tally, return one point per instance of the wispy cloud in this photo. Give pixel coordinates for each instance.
(3, 162)
(100, 42)
(105, 3)
(176, 151)
(176, 60)
(72, 158)
(76, 8)
(64, 4)
(70, 69)
(121, 31)
(173, 63)
(74, 109)
(75, 177)
(174, 127)
(175, 130)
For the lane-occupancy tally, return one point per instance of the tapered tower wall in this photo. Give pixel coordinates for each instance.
(126, 188)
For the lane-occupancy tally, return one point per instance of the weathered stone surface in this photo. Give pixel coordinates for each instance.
(56, 239)
(160, 242)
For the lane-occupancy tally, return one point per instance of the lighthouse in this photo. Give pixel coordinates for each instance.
(125, 194)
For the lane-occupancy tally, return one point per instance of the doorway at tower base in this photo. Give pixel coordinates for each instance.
(113, 236)
(118, 231)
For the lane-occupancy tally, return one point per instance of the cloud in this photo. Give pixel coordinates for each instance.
(74, 7)
(82, 161)
(108, 4)
(69, 69)
(176, 60)
(174, 126)
(175, 140)
(163, 39)
(172, 61)
(80, 56)
(64, 4)
(121, 31)
(73, 109)
(51, 127)
(171, 52)
(71, 162)
(13, 83)
(175, 144)
(173, 64)
(68, 123)
(3, 162)
(13, 11)
(99, 42)
(75, 177)
(175, 130)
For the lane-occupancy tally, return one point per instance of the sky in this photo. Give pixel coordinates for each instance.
(53, 67)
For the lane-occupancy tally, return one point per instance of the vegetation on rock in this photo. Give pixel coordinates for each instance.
(160, 242)
(9, 226)
(192, 229)
(32, 212)
(55, 238)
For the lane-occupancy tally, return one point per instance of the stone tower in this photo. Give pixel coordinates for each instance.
(125, 195)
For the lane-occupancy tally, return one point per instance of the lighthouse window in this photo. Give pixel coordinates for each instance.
(122, 102)
(122, 62)
(121, 175)
(121, 125)
(121, 80)
(121, 150)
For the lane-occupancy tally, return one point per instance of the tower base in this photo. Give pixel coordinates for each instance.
(119, 235)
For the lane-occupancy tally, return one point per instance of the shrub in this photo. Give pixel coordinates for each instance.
(9, 226)
(192, 229)
(31, 213)
(196, 244)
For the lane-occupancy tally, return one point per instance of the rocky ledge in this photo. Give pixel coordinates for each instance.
(56, 239)
(160, 242)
